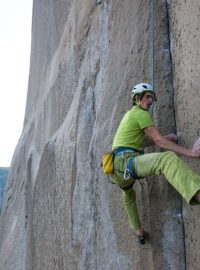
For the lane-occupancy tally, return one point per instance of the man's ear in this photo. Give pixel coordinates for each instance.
(137, 98)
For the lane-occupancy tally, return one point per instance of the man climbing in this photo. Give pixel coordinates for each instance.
(130, 163)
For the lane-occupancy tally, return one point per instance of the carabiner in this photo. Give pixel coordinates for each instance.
(126, 174)
(126, 171)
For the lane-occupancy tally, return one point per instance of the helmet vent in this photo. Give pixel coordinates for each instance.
(144, 86)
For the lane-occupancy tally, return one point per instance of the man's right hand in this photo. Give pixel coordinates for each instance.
(196, 148)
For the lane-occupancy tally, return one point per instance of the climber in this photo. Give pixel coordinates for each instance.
(130, 162)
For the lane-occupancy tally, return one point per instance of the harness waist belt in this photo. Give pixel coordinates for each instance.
(121, 149)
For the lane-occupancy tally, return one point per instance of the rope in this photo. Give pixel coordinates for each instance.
(153, 52)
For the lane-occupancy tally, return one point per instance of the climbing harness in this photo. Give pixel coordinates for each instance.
(129, 166)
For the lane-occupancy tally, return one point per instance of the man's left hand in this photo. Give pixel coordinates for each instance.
(172, 137)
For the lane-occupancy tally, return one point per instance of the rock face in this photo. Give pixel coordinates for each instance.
(60, 211)
(185, 41)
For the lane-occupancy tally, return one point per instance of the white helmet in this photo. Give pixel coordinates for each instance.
(141, 88)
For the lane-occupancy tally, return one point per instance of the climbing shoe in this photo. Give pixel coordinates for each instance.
(141, 239)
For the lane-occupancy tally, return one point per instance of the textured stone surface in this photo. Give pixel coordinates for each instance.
(60, 211)
(185, 46)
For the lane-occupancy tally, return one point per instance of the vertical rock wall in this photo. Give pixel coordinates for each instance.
(185, 47)
(60, 211)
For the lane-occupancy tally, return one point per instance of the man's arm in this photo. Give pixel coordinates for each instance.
(164, 143)
(149, 142)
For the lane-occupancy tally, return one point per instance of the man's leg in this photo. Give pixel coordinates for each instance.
(129, 199)
(176, 171)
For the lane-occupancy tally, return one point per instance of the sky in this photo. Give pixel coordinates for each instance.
(15, 44)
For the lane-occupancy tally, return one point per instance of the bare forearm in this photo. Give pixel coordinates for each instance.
(150, 142)
(168, 143)
(171, 146)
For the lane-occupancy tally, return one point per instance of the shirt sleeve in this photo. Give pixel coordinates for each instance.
(145, 120)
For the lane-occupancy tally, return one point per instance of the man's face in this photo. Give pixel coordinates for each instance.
(146, 101)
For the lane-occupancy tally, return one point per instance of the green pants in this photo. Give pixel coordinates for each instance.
(175, 170)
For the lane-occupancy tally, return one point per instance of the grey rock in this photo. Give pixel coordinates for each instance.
(59, 210)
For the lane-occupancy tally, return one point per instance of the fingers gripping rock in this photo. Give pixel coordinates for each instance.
(196, 147)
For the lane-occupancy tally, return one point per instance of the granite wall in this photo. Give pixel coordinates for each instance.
(60, 211)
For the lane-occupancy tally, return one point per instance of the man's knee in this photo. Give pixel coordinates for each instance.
(129, 195)
(167, 160)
